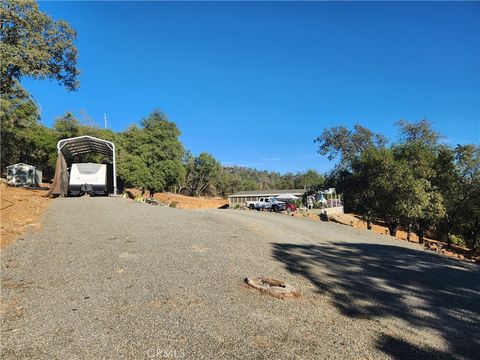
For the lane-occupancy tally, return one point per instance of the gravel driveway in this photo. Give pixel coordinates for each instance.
(111, 278)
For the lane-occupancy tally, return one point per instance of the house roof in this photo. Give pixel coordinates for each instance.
(268, 192)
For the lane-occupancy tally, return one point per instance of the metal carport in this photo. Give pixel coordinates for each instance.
(70, 148)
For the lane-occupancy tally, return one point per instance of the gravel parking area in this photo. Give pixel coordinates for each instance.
(112, 278)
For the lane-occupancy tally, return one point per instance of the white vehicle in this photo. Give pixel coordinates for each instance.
(88, 178)
(267, 203)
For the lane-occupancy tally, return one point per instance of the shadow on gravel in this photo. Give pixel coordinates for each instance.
(374, 281)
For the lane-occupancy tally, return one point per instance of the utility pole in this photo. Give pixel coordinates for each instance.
(105, 119)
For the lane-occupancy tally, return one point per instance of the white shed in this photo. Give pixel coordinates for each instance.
(24, 175)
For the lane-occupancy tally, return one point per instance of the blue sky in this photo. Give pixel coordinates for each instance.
(254, 83)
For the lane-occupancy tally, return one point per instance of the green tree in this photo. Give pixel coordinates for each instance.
(347, 145)
(67, 126)
(150, 156)
(430, 214)
(418, 147)
(470, 215)
(309, 179)
(18, 113)
(420, 131)
(32, 44)
(385, 186)
(188, 161)
(238, 178)
(287, 181)
(457, 178)
(394, 184)
(206, 175)
(42, 149)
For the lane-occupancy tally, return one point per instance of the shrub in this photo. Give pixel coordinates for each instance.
(317, 205)
(458, 240)
(173, 204)
(237, 206)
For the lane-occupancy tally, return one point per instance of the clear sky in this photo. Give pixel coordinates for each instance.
(254, 83)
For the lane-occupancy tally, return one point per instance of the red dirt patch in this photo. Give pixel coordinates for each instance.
(186, 202)
(20, 208)
(431, 244)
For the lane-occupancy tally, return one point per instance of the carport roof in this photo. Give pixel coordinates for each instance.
(268, 192)
(85, 144)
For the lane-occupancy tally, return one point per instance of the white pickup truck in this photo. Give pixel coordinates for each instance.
(267, 203)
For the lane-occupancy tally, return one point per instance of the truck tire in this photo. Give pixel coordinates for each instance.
(274, 208)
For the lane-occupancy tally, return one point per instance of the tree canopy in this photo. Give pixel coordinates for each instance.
(416, 183)
(32, 44)
(346, 144)
(150, 155)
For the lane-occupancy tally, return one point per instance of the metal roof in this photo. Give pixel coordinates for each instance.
(85, 144)
(80, 145)
(20, 164)
(268, 192)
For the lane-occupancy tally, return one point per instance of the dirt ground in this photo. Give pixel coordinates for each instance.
(434, 244)
(348, 219)
(186, 202)
(20, 208)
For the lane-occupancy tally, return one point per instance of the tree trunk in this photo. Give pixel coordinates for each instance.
(475, 235)
(420, 234)
(392, 228)
(450, 225)
(409, 230)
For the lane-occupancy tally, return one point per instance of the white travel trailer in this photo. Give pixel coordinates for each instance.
(71, 151)
(88, 178)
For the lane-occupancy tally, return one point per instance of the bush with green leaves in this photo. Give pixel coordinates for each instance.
(458, 240)
(150, 155)
(416, 183)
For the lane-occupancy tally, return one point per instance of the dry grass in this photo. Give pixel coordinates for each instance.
(187, 202)
(351, 219)
(20, 208)
(455, 250)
